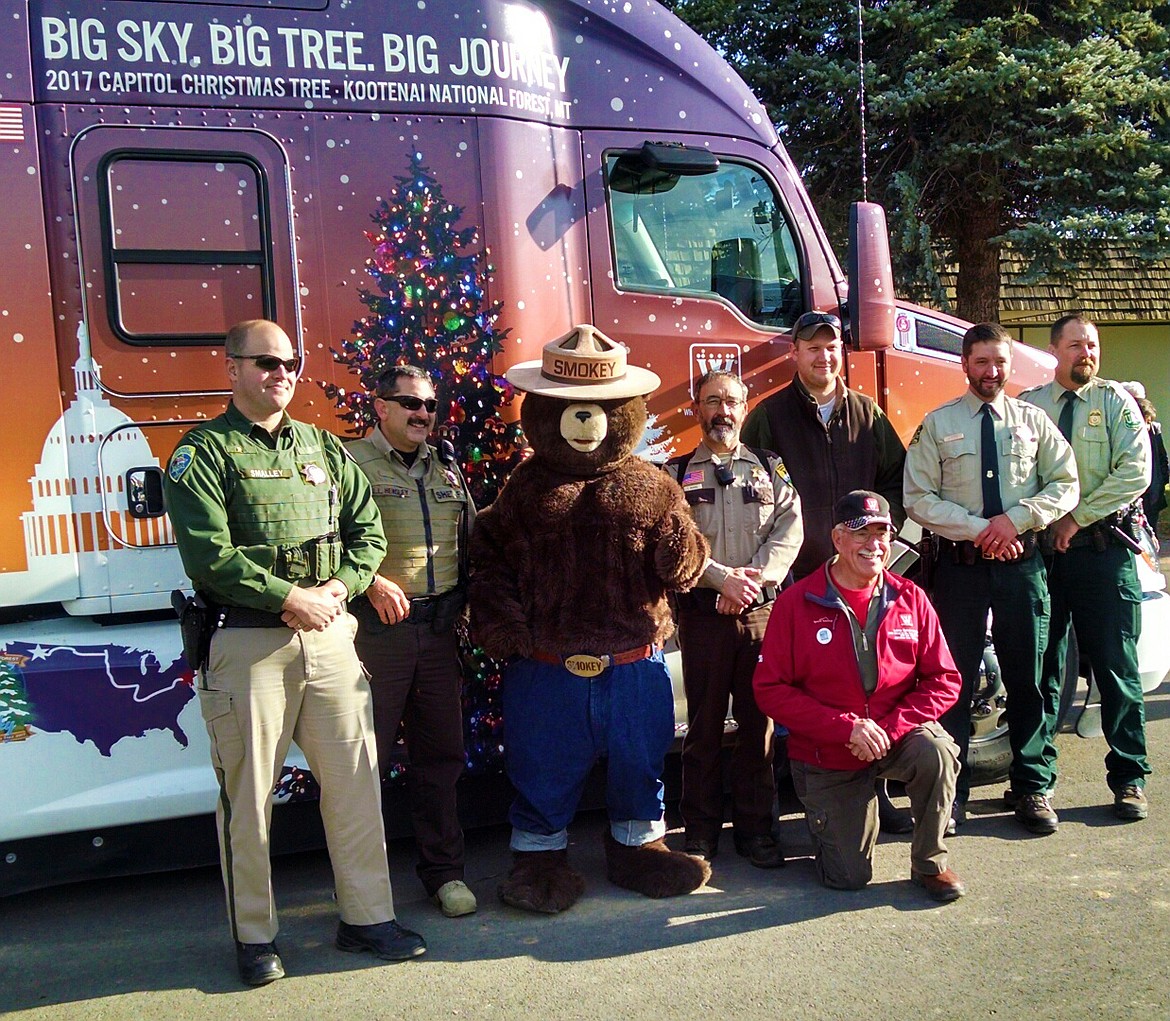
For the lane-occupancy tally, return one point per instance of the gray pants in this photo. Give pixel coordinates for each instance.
(840, 807)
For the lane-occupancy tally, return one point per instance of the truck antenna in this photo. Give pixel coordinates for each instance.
(861, 103)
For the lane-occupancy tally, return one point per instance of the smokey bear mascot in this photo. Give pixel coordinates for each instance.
(570, 570)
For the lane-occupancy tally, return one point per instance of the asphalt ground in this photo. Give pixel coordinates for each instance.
(1073, 925)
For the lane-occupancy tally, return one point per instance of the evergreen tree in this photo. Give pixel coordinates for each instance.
(1045, 123)
(429, 310)
(15, 709)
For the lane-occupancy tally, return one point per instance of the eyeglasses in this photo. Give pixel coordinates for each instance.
(270, 363)
(411, 403)
(810, 322)
(715, 403)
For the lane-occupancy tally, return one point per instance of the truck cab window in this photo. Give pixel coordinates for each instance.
(719, 234)
(186, 245)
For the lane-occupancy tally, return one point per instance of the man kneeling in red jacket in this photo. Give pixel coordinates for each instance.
(855, 665)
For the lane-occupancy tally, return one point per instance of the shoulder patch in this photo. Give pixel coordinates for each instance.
(181, 460)
(780, 470)
(917, 433)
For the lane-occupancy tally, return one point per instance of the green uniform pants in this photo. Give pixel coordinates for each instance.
(1016, 593)
(1098, 592)
(263, 689)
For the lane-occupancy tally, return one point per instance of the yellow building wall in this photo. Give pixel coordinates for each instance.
(1128, 351)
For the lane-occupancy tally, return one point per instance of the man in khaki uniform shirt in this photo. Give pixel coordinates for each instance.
(1091, 573)
(745, 506)
(407, 618)
(985, 473)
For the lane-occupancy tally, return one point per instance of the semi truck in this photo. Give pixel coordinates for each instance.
(173, 167)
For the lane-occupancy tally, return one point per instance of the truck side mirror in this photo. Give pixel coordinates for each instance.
(871, 278)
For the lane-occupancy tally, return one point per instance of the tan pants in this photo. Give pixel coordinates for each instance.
(840, 807)
(264, 688)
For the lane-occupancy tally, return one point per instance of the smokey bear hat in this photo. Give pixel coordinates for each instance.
(583, 365)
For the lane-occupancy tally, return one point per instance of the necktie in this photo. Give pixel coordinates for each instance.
(1066, 414)
(992, 504)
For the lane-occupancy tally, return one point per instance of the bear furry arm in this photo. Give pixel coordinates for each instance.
(498, 621)
(680, 549)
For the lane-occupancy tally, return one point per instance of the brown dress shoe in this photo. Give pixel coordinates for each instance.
(943, 886)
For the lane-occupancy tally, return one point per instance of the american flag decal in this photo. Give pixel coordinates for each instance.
(692, 478)
(11, 124)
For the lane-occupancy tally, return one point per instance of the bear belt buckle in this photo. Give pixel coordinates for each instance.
(583, 665)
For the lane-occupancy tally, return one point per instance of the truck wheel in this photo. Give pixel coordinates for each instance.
(989, 754)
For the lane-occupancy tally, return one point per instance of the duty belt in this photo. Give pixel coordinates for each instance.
(584, 664)
(243, 616)
(966, 552)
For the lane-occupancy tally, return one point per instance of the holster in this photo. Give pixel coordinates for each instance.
(927, 560)
(195, 625)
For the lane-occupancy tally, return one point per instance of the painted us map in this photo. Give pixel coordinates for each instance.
(94, 693)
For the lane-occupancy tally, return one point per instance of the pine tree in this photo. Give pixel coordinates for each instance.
(429, 310)
(15, 708)
(1043, 124)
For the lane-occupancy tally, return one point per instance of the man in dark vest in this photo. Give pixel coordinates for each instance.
(833, 441)
(407, 616)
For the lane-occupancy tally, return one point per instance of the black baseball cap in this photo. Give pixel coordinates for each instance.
(808, 324)
(860, 508)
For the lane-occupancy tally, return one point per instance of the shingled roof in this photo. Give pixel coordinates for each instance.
(1125, 289)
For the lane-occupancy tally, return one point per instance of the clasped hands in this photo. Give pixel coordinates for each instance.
(868, 741)
(314, 609)
(1000, 540)
(739, 590)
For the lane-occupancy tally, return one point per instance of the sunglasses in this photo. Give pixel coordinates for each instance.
(810, 322)
(411, 403)
(270, 363)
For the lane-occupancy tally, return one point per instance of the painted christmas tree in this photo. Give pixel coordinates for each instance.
(15, 709)
(429, 309)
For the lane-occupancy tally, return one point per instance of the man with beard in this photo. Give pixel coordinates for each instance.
(406, 639)
(750, 514)
(986, 473)
(1091, 574)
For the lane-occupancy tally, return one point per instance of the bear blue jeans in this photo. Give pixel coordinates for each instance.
(557, 725)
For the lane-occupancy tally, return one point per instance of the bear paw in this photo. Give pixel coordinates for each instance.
(653, 869)
(541, 881)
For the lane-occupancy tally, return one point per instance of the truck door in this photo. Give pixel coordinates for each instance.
(180, 233)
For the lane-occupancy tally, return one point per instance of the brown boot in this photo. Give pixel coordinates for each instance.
(653, 869)
(541, 881)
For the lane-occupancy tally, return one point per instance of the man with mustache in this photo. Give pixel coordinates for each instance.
(407, 637)
(1091, 572)
(749, 512)
(986, 473)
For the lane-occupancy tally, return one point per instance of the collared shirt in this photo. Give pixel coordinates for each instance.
(228, 544)
(1110, 440)
(422, 505)
(943, 484)
(752, 522)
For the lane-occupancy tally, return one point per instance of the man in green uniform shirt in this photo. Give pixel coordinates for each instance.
(277, 529)
(1091, 572)
(985, 473)
(406, 636)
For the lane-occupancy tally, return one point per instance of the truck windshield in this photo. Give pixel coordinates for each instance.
(721, 234)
